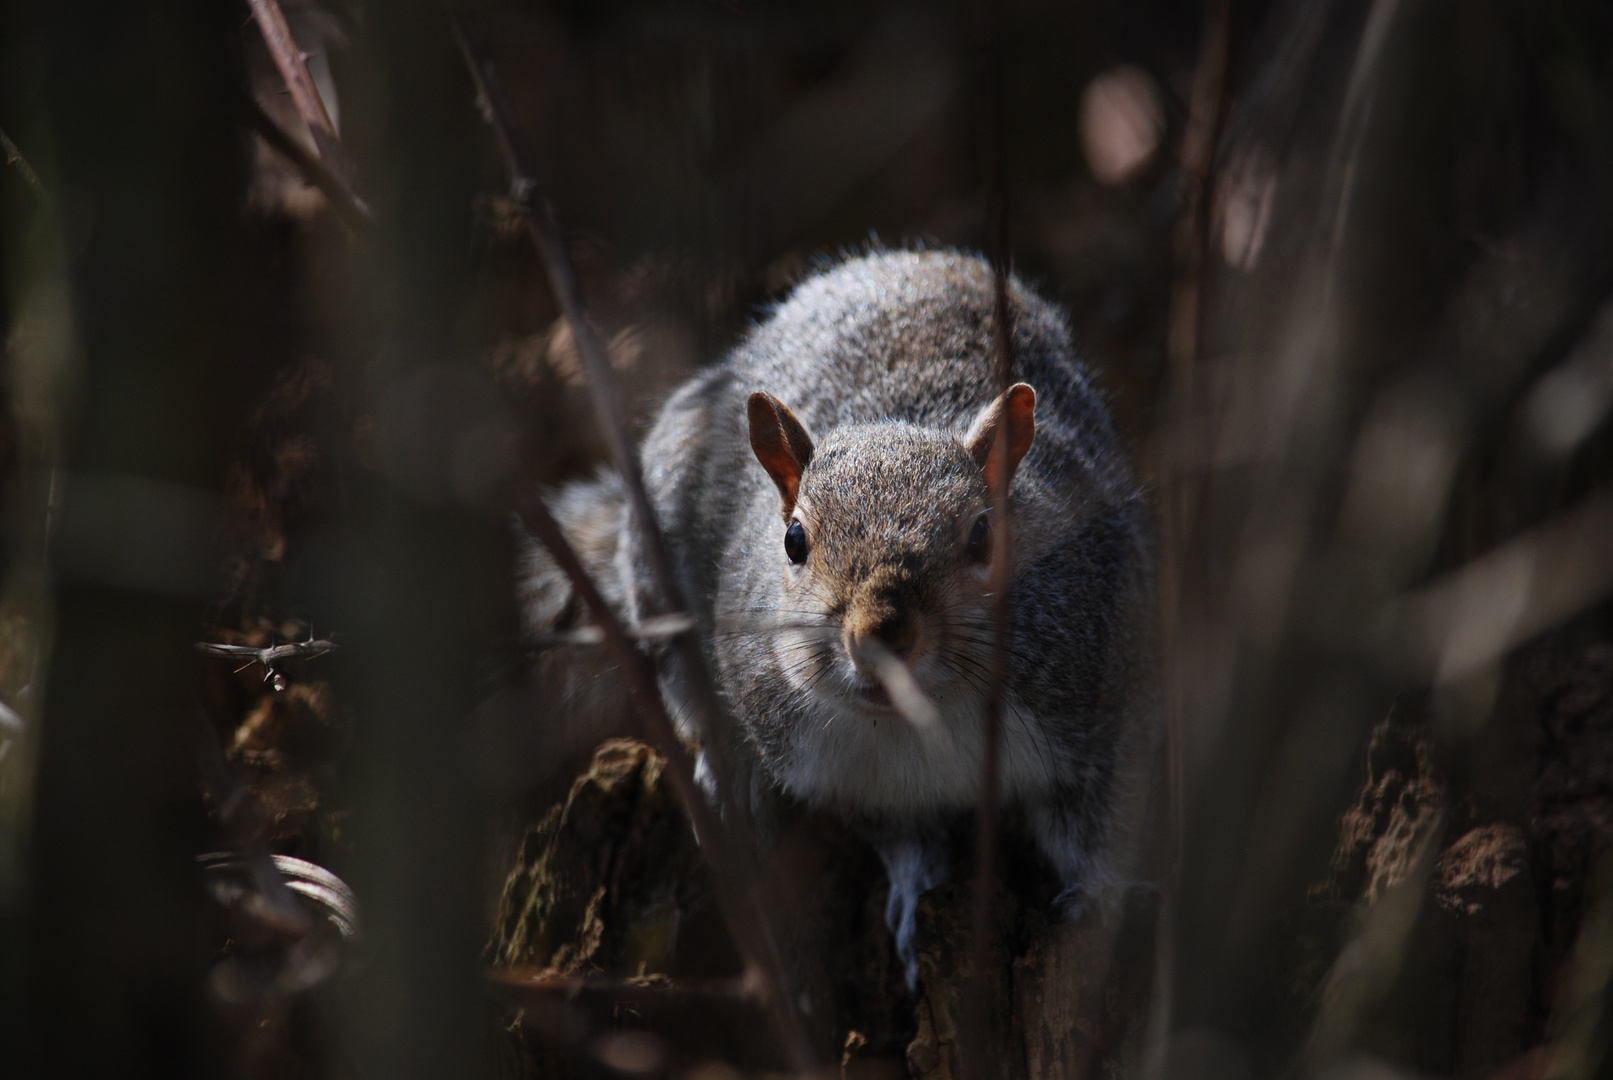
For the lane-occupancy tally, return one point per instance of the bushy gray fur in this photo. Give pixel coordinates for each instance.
(886, 360)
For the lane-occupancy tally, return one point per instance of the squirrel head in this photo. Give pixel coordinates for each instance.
(886, 536)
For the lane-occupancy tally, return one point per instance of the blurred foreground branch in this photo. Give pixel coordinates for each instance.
(976, 1045)
(1474, 616)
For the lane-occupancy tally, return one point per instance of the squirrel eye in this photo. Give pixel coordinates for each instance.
(980, 540)
(795, 545)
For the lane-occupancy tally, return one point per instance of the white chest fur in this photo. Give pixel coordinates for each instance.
(845, 755)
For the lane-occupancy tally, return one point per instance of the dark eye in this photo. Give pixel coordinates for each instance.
(795, 543)
(980, 540)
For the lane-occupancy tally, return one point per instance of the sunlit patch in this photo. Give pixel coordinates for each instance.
(1571, 400)
(1122, 121)
(1243, 201)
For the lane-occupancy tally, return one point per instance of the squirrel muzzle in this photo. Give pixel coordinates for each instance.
(882, 611)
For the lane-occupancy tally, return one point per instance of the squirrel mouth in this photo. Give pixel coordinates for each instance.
(875, 695)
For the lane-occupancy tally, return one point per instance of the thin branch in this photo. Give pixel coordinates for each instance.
(655, 628)
(544, 230)
(353, 210)
(975, 1046)
(1206, 120)
(736, 890)
(1178, 492)
(739, 889)
(293, 66)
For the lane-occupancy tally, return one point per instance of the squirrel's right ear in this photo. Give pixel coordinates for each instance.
(1012, 418)
(781, 444)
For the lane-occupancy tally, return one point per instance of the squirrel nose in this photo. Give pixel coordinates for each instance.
(885, 621)
(898, 632)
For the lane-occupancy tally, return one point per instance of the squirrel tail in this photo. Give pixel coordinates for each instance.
(576, 702)
(593, 514)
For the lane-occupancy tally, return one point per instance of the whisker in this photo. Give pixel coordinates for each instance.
(753, 631)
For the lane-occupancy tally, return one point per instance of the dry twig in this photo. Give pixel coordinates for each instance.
(1176, 497)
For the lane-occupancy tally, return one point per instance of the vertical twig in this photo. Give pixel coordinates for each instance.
(1206, 119)
(289, 59)
(975, 1047)
(1199, 145)
(741, 906)
(1176, 494)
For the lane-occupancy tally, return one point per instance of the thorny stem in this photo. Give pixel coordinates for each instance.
(289, 59)
(975, 1046)
(354, 211)
(741, 906)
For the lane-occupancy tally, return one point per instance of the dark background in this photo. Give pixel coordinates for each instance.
(1359, 350)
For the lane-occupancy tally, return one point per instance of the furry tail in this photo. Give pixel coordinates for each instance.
(577, 700)
(593, 514)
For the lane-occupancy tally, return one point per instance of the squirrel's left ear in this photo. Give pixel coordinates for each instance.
(1015, 410)
(781, 444)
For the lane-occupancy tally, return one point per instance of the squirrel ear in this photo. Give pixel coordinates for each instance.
(781, 444)
(1016, 407)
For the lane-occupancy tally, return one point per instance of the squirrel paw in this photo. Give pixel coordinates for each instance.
(1073, 904)
(914, 868)
(1078, 902)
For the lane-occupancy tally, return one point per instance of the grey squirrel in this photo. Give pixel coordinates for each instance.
(823, 492)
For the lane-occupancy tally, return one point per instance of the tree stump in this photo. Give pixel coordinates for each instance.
(607, 928)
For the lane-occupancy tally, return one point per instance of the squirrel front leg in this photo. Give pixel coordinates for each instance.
(916, 857)
(1070, 840)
